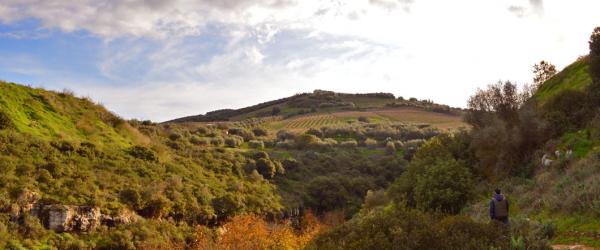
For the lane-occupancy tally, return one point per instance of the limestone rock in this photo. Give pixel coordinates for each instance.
(64, 218)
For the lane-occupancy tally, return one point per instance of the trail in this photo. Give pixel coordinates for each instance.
(572, 247)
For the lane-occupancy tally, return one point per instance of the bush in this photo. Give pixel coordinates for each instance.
(396, 227)
(260, 132)
(198, 140)
(305, 141)
(217, 141)
(256, 144)
(566, 111)
(349, 144)
(445, 186)
(247, 135)
(174, 136)
(283, 135)
(266, 168)
(370, 143)
(143, 153)
(315, 132)
(63, 146)
(234, 141)
(5, 121)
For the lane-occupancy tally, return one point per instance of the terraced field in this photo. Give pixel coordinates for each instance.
(406, 115)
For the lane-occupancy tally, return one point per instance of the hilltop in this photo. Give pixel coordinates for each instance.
(319, 102)
(326, 108)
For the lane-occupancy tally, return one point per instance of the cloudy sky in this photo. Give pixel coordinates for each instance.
(155, 59)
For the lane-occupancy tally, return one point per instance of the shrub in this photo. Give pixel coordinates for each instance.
(349, 144)
(143, 153)
(234, 141)
(287, 144)
(63, 146)
(247, 135)
(275, 110)
(315, 132)
(290, 164)
(260, 132)
(198, 140)
(5, 121)
(201, 131)
(305, 141)
(256, 144)
(566, 111)
(283, 135)
(370, 143)
(396, 227)
(444, 186)
(266, 168)
(174, 136)
(217, 141)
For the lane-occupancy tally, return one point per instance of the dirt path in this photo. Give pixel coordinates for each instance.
(572, 247)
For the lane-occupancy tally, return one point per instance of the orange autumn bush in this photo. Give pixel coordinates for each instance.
(251, 232)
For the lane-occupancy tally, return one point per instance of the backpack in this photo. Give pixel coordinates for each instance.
(500, 208)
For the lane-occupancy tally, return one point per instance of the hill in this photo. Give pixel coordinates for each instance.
(142, 185)
(318, 102)
(573, 77)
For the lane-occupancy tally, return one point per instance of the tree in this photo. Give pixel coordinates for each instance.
(594, 68)
(501, 100)
(266, 168)
(445, 186)
(542, 72)
(275, 110)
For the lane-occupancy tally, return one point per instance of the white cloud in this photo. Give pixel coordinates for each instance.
(213, 54)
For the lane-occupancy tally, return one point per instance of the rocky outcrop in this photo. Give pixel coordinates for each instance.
(64, 218)
(27, 202)
(125, 217)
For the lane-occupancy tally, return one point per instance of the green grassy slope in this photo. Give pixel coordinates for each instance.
(72, 151)
(574, 76)
(50, 115)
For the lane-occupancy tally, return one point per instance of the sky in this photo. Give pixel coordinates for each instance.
(160, 59)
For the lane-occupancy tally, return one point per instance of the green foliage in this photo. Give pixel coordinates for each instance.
(256, 144)
(143, 153)
(573, 77)
(435, 179)
(234, 141)
(395, 227)
(445, 186)
(260, 132)
(5, 121)
(566, 111)
(266, 168)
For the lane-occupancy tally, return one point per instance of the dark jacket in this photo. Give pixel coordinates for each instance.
(497, 197)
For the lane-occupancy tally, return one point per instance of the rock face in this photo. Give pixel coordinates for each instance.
(27, 202)
(63, 218)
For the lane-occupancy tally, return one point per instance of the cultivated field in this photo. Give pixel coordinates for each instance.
(405, 115)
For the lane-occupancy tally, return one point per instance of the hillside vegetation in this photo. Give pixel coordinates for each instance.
(314, 171)
(573, 77)
(155, 183)
(319, 102)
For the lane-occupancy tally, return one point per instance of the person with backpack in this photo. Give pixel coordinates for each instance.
(499, 207)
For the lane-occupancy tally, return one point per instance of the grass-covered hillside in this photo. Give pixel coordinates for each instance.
(573, 77)
(154, 183)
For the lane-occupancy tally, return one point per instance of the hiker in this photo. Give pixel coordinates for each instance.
(499, 207)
